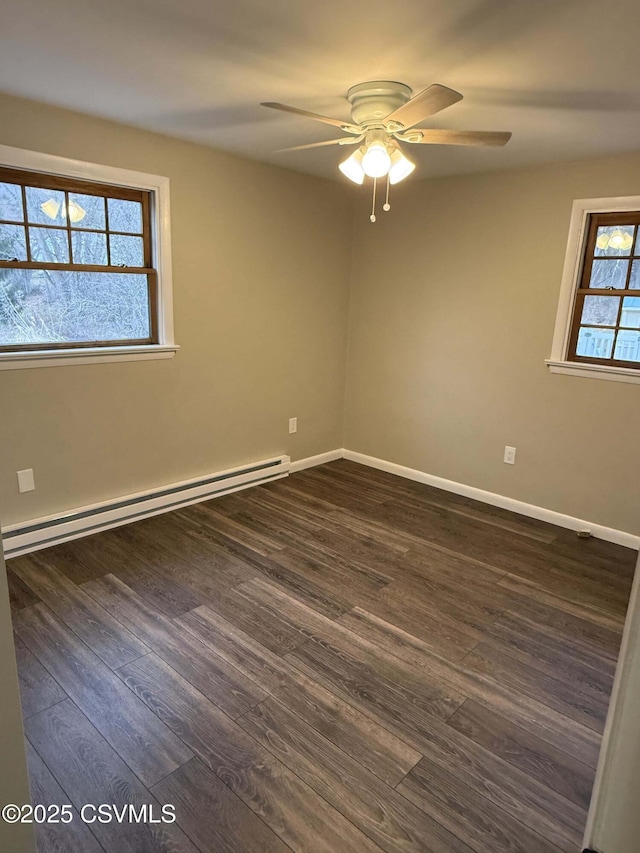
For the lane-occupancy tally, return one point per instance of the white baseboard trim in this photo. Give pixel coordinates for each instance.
(620, 537)
(319, 459)
(40, 533)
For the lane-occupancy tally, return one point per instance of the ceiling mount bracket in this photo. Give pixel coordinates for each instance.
(372, 102)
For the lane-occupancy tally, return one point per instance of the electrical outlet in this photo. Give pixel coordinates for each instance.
(293, 425)
(26, 483)
(510, 455)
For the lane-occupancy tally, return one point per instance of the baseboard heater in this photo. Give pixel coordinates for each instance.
(30, 536)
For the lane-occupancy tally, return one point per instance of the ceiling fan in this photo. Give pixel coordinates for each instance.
(384, 115)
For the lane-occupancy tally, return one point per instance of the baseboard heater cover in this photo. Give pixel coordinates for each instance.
(40, 533)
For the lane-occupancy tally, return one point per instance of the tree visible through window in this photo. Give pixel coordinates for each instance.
(75, 264)
(606, 318)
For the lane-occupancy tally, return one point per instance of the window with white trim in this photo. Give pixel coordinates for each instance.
(598, 323)
(83, 271)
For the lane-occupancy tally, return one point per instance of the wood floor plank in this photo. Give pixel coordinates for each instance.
(261, 543)
(323, 598)
(386, 817)
(525, 558)
(177, 547)
(143, 741)
(84, 559)
(548, 765)
(446, 636)
(213, 817)
(301, 818)
(412, 706)
(358, 656)
(90, 771)
(579, 698)
(52, 837)
(105, 636)
(387, 756)
(19, 593)
(487, 828)
(391, 486)
(260, 623)
(363, 559)
(38, 690)
(526, 799)
(541, 648)
(225, 685)
(312, 523)
(577, 624)
(538, 719)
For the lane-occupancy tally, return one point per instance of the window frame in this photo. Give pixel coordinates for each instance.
(575, 257)
(158, 257)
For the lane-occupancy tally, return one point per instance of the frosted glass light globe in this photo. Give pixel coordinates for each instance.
(376, 161)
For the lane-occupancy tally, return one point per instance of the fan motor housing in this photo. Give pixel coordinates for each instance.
(371, 102)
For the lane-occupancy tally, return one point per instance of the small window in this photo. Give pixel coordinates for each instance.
(597, 332)
(76, 264)
(606, 317)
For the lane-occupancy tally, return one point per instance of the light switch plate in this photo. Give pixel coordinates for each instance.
(26, 483)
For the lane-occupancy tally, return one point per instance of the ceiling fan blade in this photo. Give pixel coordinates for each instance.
(345, 125)
(431, 136)
(345, 140)
(426, 103)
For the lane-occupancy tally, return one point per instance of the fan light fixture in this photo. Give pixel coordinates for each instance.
(401, 167)
(352, 167)
(397, 167)
(384, 114)
(53, 207)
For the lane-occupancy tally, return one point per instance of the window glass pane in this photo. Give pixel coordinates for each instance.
(126, 250)
(608, 274)
(614, 240)
(627, 346)
(595, 343)
(634, 281)
(11, 202)
(87, 211)
(601, 310)
(55, 306)
(630, 315)
(46, 206)
(12, 243)
(49, 245)
(125, 216)
(89, 247)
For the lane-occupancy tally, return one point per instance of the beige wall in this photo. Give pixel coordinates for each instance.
(452, 306)
(261, 273)
(14, 783)
(453, 303)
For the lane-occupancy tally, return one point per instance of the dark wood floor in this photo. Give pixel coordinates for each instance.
(339, 661)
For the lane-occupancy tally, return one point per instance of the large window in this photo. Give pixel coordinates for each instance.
(598, 322)
(75, 264)
(85, 262)
(606, 317)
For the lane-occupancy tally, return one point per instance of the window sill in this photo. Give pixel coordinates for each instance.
(594, 371)
(90, 355)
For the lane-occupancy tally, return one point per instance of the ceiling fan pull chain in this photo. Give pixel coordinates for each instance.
(386, 206)
(373, 205)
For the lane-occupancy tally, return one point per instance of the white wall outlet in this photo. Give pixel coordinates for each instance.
(26, 483)
(293, 425)
(510, 455)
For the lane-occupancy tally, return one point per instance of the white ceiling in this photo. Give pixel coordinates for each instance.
(563, 75)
